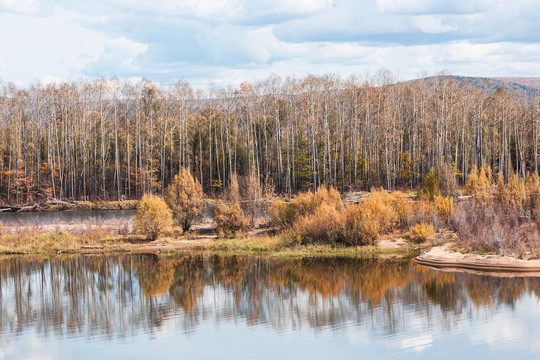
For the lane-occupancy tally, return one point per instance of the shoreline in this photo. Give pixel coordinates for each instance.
(442, 257)
(257, 243)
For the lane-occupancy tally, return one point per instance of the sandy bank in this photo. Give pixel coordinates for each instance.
(442, 257)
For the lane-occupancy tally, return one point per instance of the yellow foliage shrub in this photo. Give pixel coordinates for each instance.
(445, 207)
(479, 184)
(230, 220)
(421, 232)
(516, 189)
(532, 187)
(404, 208)
(330, 197)
(513, 195)
(153, 216)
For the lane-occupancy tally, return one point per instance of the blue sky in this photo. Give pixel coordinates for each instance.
(229, 41)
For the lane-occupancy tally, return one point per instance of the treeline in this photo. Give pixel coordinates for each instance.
(107, 139)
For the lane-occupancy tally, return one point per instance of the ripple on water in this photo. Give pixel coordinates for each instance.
(146, 306)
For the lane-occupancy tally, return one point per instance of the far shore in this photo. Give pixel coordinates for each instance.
(113, 236)
(117, 236)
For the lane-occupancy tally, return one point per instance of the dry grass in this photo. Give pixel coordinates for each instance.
(44, 243)
(496, 229)
(106, 205)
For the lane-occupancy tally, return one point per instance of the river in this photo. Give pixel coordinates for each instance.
(147, 307)
(59, 217)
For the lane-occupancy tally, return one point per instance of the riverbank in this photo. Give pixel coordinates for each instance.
(448, 256)
(259, 242)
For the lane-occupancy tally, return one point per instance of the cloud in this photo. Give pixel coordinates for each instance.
(19, 6)
(35, 46)
(435, 6)
(229, 39)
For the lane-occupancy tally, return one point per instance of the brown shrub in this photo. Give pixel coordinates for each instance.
(447, 180)
(284, 215)
(376, 215)
(361, 227)
(495, 228)
(233, 191)
(430, 185)
(379, 205)
(424, 211)
(253, 197)
(325, 225)
(230, 220)
(153, 216)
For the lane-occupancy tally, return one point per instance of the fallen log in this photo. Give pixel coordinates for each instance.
(9, 208)
(28, 208)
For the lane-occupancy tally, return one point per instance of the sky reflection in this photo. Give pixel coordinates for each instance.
(198, 306)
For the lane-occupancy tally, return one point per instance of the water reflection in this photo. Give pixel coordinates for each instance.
(394, 303)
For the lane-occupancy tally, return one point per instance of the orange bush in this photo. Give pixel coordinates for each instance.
(230, 220)
(284, 215)
(325, 225)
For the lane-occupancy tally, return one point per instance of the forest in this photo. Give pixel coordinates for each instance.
(110, 139)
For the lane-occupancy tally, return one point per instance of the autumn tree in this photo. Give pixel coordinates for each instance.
(185, 198)
(153, 216)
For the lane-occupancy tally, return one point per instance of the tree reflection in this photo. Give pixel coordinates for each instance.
(117, 296)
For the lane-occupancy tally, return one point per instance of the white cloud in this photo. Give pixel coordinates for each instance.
(432, 25)
(19, 6)
(33, 47)
(245, 39)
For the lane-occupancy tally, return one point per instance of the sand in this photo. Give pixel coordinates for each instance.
(443, 257)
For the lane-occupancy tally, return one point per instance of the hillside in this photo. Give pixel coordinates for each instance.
(524, 87)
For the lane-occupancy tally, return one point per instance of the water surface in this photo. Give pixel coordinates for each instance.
(146, 307)
(56, 217)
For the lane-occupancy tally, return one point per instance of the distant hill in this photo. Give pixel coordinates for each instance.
(521, 86)
(532, 82)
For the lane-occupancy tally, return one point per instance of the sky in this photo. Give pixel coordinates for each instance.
(230, 41)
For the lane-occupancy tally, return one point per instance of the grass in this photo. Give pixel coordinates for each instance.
(276, 246)
(65, 242)
(42, 243)
(95, 240)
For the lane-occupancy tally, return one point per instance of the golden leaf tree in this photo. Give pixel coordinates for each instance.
(153, 216)
(185, 198)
